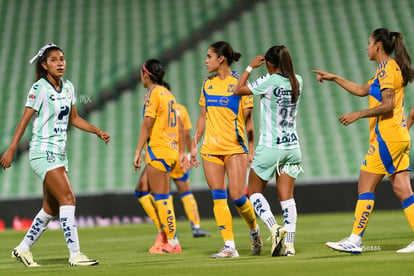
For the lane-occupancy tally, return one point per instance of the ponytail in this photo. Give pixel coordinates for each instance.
(393, 42)
(280, 57)
(155, 71)
(402, 57)
(222, 48)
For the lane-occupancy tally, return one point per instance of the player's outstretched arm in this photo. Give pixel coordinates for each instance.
(7, 157)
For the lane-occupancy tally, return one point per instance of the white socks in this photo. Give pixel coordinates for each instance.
(37, 228)
(70, 232)
(289, 219)
(262, 209)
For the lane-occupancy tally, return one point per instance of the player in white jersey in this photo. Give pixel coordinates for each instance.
(278, 150)
(51, 103)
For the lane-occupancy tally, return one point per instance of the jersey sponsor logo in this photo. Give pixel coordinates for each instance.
(64, 110)
(224, 101)
(281, 91)
(286, 138)
(52, 97)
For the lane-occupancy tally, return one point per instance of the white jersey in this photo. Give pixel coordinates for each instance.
(277, 112)
(51, 119)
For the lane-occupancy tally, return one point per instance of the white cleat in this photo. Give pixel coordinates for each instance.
(408, 249)
(345, 245)
(25, 257)
(287, 250)
(82, 260)
(278, 234)
(226, 252)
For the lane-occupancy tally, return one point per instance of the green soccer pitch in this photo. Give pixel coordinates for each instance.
(123, 250)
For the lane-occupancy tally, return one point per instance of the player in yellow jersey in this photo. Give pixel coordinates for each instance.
(389, 139)
(222, 119)
(181, 179)
(160, 136)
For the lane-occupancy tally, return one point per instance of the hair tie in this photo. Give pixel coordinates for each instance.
(42, 51)
(146, 70)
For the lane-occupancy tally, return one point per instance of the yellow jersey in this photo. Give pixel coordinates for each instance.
(183, 113)
(160, 104)
(224, 130)
(393, 127)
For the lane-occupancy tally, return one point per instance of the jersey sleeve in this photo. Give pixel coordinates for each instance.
(259, 86)
(247, 101)
(202, 100)
(386, 76)
(152, 102)
(73, 99)
(35, 97)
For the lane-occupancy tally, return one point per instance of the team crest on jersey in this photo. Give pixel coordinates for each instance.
(50, 157)
(67, 91)
(230, 88)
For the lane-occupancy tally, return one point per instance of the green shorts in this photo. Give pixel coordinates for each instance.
(44, 161)
(267, 161)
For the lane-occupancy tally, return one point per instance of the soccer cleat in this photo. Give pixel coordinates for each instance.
(159, 243)
(277, 234)
(25, 257)
(168, 248)
(408, 249)
(345, 245)
(226, 252)
(81, 260)
(287, 250)
(256, 242)
(198, 232)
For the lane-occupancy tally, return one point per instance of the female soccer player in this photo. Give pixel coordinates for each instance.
(51, 101)
(181, 179)
(222, 119)
(389, 138)
(160, 136)
(278, 149)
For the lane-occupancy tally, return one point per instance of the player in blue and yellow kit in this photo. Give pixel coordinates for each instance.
(160, 136)
(222, 119)
(389, 138)
(181, 179)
